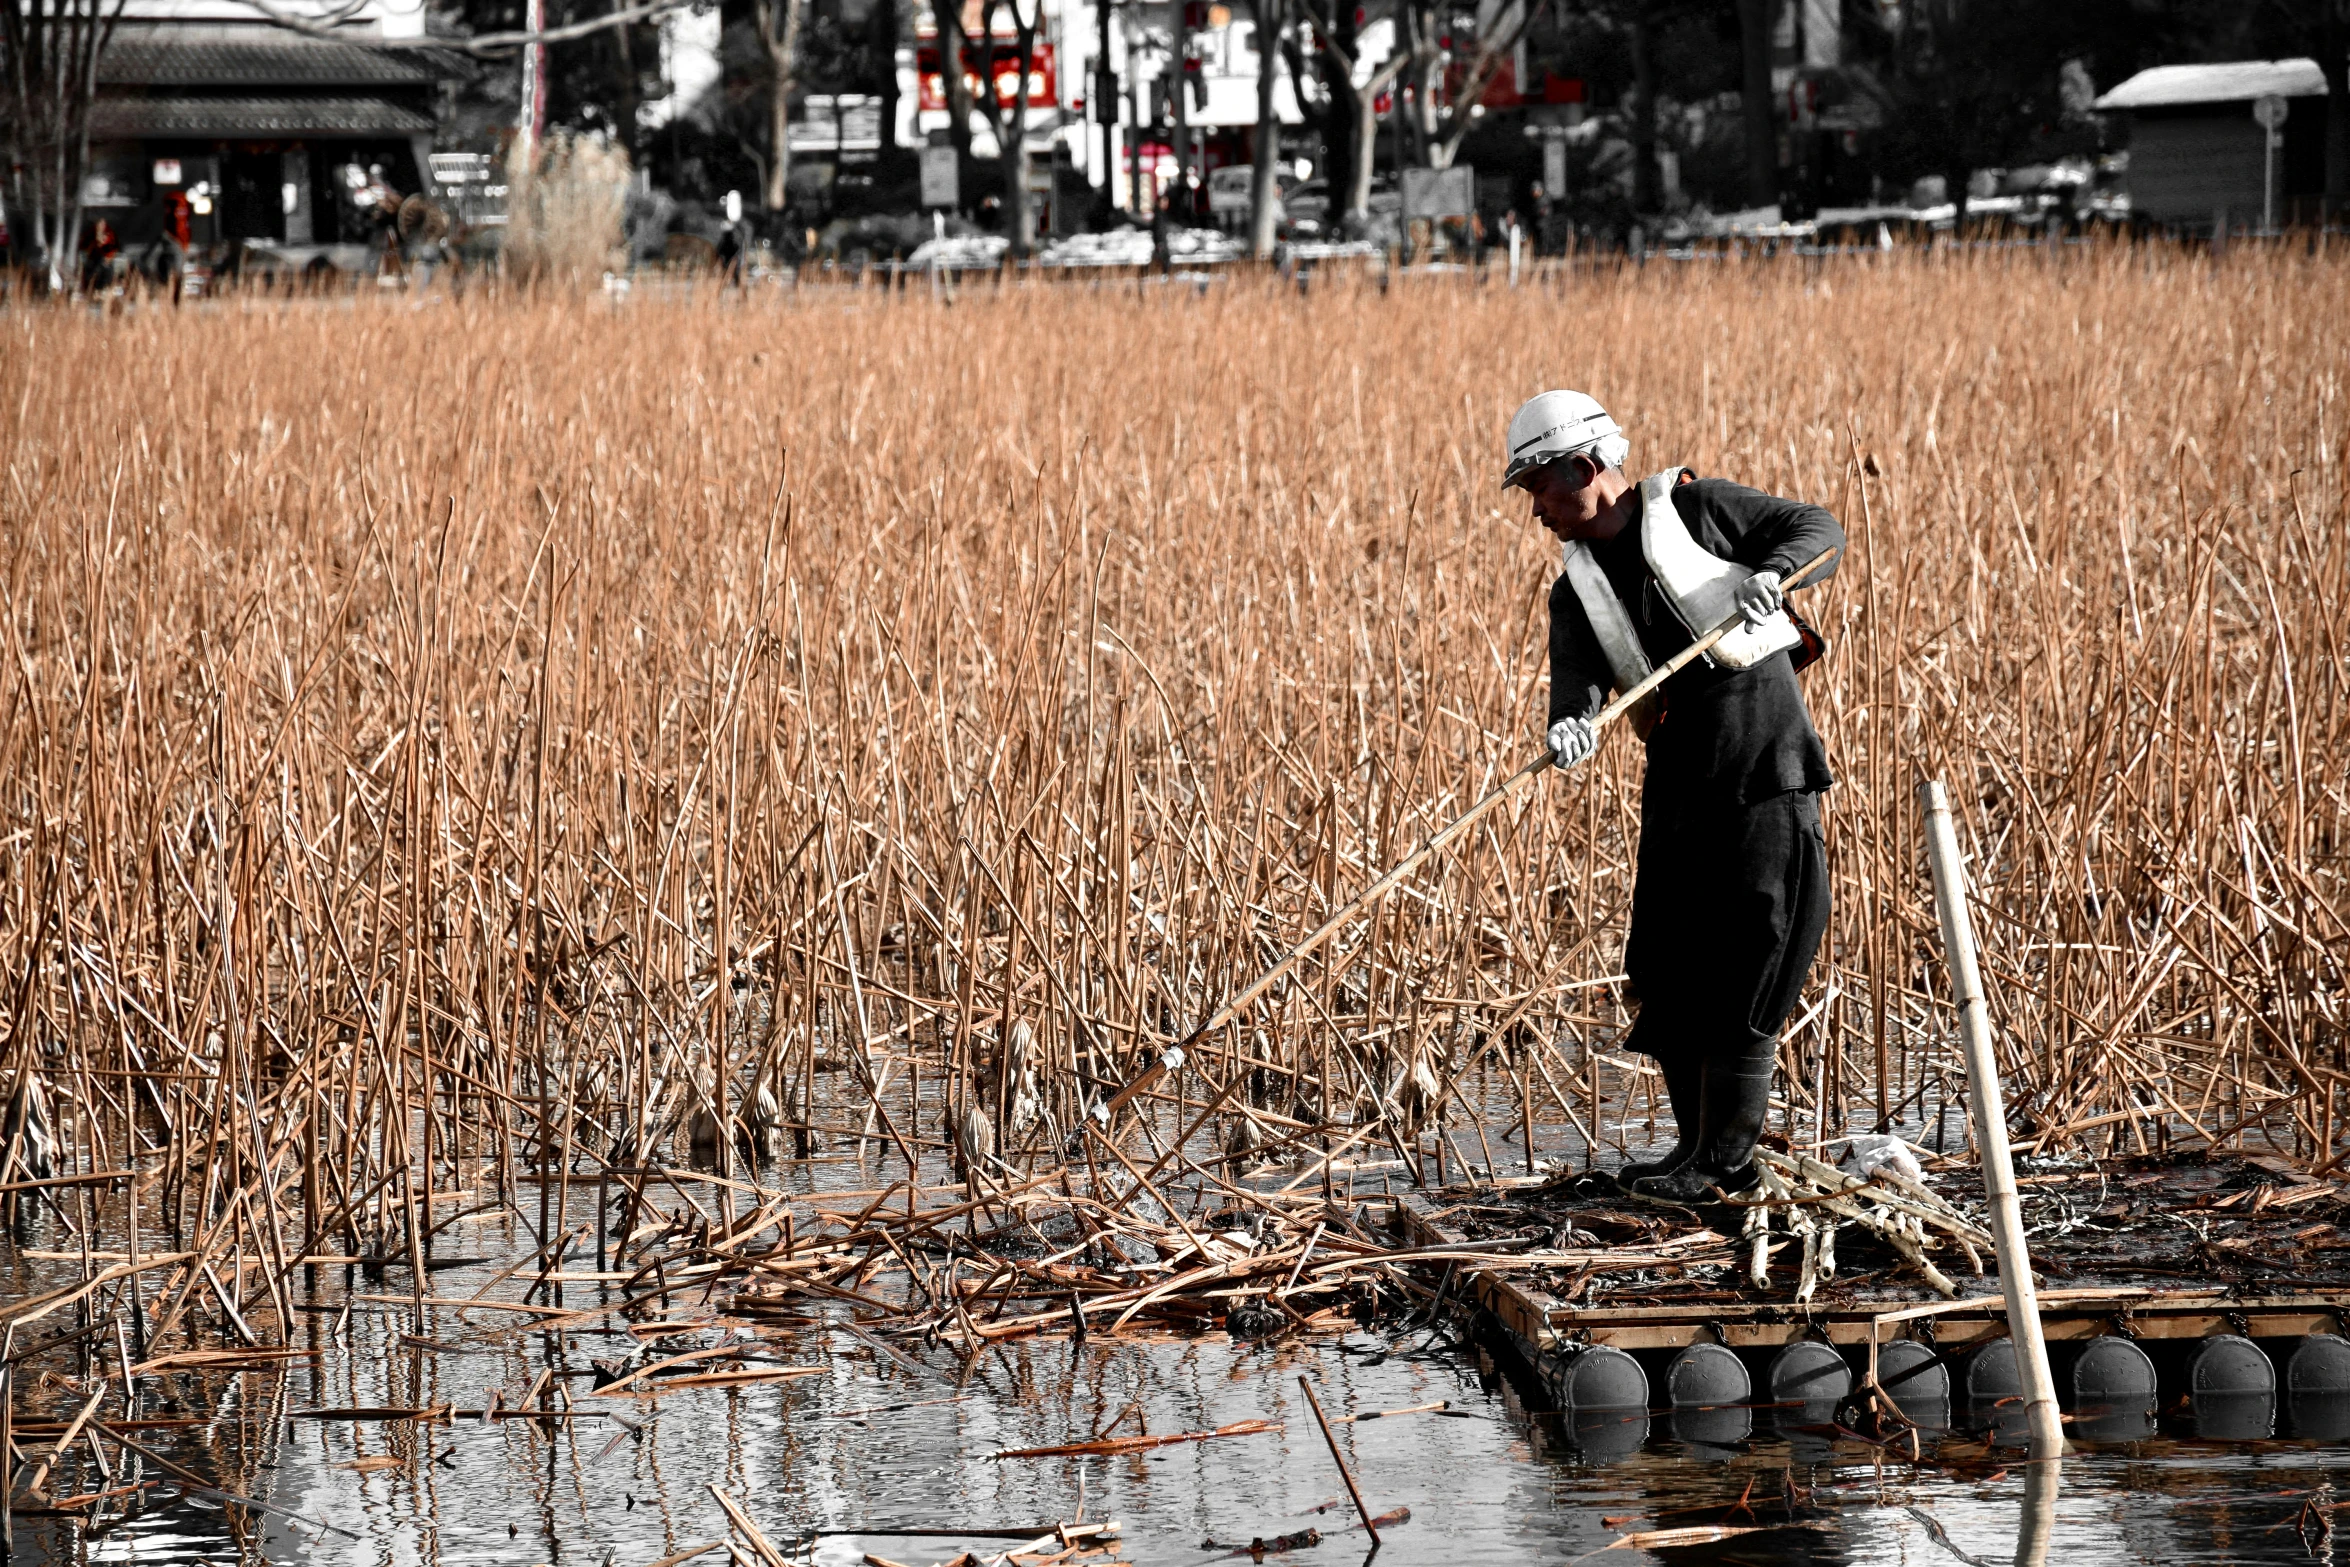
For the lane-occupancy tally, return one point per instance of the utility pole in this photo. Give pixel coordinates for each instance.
(2269, 113)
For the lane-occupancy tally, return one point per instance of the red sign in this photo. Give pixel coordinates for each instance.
(1502, 92)
(1043, 88)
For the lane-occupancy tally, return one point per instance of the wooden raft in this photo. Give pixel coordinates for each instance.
(1540, 1326)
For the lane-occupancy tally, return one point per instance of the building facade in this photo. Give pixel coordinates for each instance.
(212, 131)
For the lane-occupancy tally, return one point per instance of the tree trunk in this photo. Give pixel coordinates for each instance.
(1336, 38)
(1644, 191)
(1364, 100)
(881, 39)
(1761, 114)
(778, 23)
(631, 99)
(1492, 49)
(952, 50)
(1422, 28)
(52, 53)
(779, 142)
(1358, 207)
(1015, 150)
(1264, 191)
(1366, 156)
(1011, 133)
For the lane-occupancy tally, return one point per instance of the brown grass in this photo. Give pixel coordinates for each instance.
(404, 709)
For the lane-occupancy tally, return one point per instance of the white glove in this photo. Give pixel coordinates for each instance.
(1760, 596)
(1572, 740)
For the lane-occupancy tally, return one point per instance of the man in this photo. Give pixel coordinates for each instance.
(1732, 895)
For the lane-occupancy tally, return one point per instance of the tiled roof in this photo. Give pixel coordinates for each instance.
(260, 117)
(216, 54)
(2236, 81)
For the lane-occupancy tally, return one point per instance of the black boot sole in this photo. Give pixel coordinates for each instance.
(1731, 1183)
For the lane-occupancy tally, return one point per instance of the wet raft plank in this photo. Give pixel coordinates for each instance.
(1539, 1324)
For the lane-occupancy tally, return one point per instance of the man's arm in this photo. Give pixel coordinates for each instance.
(1770, 533)
(1579, 676)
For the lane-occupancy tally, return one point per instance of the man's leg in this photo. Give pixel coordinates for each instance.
(1684, 1085)
(1668, 891)
(1735, 1096)
(1783, 909)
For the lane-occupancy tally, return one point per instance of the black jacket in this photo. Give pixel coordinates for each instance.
(1743, 735)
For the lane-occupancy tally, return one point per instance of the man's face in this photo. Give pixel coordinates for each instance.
(1565, 500)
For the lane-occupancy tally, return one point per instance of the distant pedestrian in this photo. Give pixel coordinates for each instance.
(99, 256)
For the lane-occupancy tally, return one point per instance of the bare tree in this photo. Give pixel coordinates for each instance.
(1365, 94)
(1011, 131)
(1264, 194)
(778, 25)
(52, 49)
(953, 78)
(1443, 120)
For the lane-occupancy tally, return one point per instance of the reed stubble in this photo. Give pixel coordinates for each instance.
(505, 744)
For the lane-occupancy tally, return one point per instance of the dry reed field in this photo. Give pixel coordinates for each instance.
(451, 753)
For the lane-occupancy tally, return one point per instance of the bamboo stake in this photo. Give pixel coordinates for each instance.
(1974, 1031)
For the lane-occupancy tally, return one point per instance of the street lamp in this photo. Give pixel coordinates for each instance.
(2269, 111)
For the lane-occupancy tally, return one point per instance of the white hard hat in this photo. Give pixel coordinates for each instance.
(1550, 426)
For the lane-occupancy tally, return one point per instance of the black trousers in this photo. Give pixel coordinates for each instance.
(1727, 914)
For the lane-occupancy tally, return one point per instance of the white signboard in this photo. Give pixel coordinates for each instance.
(1440, 193)
(941, 185)
(1231, 190)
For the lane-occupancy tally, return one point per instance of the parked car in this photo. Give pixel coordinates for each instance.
(1311, 215)
(1229, 190)
(1232, 190)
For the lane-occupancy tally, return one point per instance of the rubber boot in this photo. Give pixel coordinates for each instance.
(1737, 1093)
(1684, 1086)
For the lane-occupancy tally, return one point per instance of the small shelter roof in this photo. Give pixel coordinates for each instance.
(177, 115)
(217, 55)
(2234, 81)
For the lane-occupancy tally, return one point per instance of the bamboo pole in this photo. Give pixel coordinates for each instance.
(1339, 1459)
(1982, 1072)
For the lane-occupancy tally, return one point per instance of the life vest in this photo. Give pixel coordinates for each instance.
(1701, 588)
(1618, 639)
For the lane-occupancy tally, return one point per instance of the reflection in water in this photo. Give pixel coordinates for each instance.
(2234, 1417)
(1713, 1435)
(2108, 1424)
(2043, 1479)
(876, 1439)
(1604, 1435)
